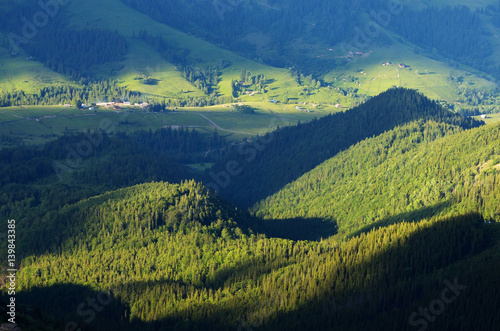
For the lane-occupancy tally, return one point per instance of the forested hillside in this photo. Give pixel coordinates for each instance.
(282, 22)
(184, 206)
(163, 256)
(74, 167)
(411, 172)
(175, 256)
(270, 162)
(457, 33)
(90, 54)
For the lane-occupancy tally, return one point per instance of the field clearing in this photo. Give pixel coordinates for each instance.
(27, 75)
(35, 125)
(491, 119)
(429, 76)
(115, 15)
(142, 62)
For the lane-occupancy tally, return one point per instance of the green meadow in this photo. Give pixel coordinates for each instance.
(34, 125)
(365, 75)
(369, 76)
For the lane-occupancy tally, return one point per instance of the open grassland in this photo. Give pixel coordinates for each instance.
(23, 74)
(115, 15)
(490, 119)
(34, 125)
(142, 62)
(367, 74)
(364, 74)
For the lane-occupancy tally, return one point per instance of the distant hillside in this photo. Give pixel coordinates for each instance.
(415, 171)
(202, 53)
(259, 168)
(272, 30)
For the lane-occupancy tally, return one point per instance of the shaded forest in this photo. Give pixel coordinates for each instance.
(414, 204)
(281, 157)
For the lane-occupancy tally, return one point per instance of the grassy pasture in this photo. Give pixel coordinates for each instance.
(429, 76)
(35, 125)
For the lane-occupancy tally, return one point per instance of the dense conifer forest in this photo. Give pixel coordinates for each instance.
(173, 255)
(280, 157)
(456, 32)
(381, 214)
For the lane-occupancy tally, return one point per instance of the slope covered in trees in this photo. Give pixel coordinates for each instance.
(36, 181)
(457, 33)
(263, 166)
(87, 54)
(172, 256)
(411, 172)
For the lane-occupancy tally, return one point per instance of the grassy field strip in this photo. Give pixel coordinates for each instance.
(429, 76)
(36, 125)
(22, 74)
(490, 119)
(219, 128)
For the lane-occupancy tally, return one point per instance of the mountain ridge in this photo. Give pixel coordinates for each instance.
(264, 166)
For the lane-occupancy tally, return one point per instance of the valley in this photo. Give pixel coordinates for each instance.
(243, 165)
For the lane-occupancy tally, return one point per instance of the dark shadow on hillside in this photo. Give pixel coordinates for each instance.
(388, 287)
(313, 229)
(411, 216)
(72, 307)
(271, 162)
(392, 285)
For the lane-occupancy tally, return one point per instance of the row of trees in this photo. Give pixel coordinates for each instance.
(87, 92)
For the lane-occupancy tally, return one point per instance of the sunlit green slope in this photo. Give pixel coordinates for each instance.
(418, 170)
